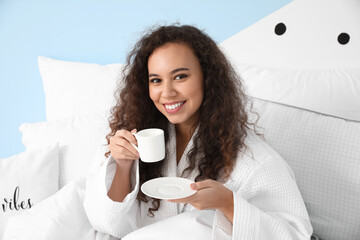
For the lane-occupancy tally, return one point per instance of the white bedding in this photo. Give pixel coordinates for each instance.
(62, 216)
(323, 151)
(58, 217)
(308, 148)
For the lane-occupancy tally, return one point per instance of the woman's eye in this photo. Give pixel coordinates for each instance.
(155, 80)
(180, 76)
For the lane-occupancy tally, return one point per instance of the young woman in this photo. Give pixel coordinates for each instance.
(177, 79)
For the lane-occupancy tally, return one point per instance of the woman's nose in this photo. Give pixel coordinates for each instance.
(168, 89)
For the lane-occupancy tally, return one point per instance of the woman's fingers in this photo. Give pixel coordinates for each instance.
(120, 152)
(127, 135)
(210, 194)
(120, 145)
(202, 184)
(125, 146)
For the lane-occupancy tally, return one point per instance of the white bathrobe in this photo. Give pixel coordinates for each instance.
(267, 202)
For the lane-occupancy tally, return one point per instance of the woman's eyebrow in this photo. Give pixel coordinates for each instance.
(153, 75)
(179, 69)
(172, 72)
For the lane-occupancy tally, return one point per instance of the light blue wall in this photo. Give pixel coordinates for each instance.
(98, 31)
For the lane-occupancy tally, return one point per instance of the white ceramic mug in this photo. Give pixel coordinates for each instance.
(151, 144)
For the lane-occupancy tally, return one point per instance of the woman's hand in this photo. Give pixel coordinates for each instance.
(121, 149)
(211, 195)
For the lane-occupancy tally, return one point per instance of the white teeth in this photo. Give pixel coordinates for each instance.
(171, 107)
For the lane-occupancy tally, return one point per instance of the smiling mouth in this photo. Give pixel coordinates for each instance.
(172, 108)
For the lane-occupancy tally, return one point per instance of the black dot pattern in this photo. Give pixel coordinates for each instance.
(343, 38)
(280, 29)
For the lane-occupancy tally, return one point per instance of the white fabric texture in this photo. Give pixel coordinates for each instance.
(268, 204)
(81, 140)
(26, 179)
(324, 153)
(64, 81)
(333, 92)
(59, 217)
(191, 225)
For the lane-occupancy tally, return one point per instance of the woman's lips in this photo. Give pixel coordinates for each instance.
(174, 106)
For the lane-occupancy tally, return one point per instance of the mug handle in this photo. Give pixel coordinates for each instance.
(137, 149)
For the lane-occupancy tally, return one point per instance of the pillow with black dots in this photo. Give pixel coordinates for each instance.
(302, 34)
(306, 54)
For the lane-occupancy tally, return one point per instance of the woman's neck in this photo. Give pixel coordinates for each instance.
(183, 136)
(183, 132)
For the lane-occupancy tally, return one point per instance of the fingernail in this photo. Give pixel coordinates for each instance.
(192, 186)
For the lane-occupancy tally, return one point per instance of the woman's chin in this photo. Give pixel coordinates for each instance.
(174, 121)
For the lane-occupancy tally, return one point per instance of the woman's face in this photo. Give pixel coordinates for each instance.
(176, 84)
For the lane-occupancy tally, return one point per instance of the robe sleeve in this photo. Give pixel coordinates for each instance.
(267, 206)
(105, 215)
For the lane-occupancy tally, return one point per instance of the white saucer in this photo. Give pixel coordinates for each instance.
(168, 188)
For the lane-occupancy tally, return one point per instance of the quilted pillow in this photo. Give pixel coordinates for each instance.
(324, 153)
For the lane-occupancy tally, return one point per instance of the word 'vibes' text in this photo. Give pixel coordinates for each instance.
(14, 203)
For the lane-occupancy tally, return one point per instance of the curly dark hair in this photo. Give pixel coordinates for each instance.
(223, 121)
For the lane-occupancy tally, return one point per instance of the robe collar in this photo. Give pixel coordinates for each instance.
(174, 169)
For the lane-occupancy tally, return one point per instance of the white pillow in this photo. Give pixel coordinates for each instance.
(324, 153)
(59, 217)
(81, 139)
(74, 88)
(334, 92)
(26, 179)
